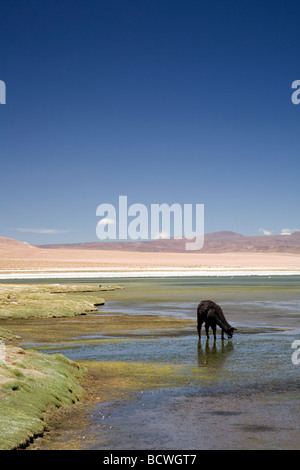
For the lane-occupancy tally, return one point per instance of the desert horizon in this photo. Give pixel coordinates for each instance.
(21, 259)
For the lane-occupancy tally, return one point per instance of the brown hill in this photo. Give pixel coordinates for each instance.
(9, 244)
(216, 242)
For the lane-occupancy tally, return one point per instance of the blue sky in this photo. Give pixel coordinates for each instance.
(162, 101)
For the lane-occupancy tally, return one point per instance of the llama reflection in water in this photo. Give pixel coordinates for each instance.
(212, 355)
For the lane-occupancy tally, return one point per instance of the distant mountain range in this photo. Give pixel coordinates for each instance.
(216, 242)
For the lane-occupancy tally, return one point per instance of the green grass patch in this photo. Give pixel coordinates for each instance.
(27, 301)
(117, 380)
(8, 336)
(30, 383)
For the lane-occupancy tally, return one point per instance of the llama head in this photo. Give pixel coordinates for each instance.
(230, 332)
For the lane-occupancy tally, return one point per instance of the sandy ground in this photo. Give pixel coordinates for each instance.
(32, 261)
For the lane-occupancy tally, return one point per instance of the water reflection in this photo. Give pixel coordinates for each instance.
(213, 354)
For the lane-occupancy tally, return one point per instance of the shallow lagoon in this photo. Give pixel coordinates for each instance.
(242, 393)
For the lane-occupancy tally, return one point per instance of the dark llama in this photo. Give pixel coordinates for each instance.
(212, 315)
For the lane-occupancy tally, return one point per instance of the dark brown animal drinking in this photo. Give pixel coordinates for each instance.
(212, 315)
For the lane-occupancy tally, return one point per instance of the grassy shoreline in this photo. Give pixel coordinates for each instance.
(31, 383)
(44, 301)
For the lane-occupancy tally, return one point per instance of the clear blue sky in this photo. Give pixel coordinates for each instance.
(160, 100)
